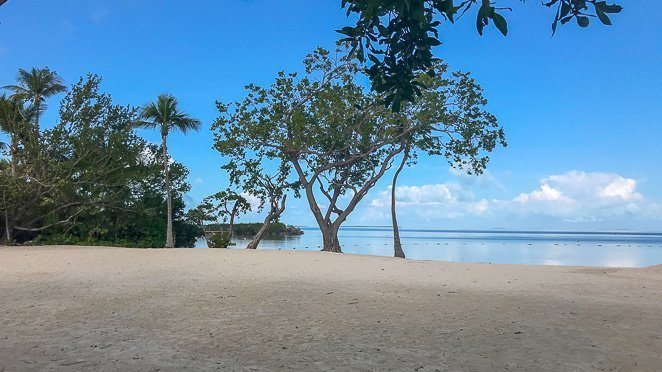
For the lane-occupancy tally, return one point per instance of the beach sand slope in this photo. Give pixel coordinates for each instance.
(84, 308)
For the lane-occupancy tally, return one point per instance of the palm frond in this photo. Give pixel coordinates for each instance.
(166, 115)
(37, 83)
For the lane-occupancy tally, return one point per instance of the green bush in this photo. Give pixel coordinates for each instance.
(247, 230)
(218, 240)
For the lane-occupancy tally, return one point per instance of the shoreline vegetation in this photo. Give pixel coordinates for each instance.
(320, 135)
(135, 309)
(220, 235)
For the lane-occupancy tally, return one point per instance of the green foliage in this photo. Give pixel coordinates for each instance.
(247, 230)
(398, 36)
(340, 139)
(218, 240)
(223, 206)
(165, 115)
(90, 179)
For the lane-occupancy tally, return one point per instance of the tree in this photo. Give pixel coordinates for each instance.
(341, 140)
(226, 205)
(165, 115)
(93, 180)
(15, 122)
(35, 86)
(398, 35)
(83, 164)
(450, 120)
(248, 169)
(397, 244)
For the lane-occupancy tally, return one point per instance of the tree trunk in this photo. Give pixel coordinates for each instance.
(330, 239)
(397, 245)
(260, 233)
(12, 154)
(8, 236)
(231, 226)
(274, 213)
(37, 106)
(170, 241)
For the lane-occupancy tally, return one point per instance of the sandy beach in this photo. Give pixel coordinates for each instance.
(83, 308)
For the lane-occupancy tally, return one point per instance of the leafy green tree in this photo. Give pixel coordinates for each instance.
(93, 180)
(449, 120)
(250, 168)
(324, 126)
(225, 206)
(166, 116)
(15, 122)
(340, 140)
(397, 36)
(35, 86)
(256, 170)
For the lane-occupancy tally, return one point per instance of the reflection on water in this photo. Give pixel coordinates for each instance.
(542, 248)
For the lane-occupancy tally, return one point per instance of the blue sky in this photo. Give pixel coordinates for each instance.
(581, 109)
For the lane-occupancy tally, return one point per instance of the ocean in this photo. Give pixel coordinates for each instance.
(608, 249)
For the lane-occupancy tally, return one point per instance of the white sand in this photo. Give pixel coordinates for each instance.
(79, 308)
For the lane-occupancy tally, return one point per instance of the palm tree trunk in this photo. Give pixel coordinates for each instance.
(397, 245)
(37, 106)
(12, 154)
(170, 241)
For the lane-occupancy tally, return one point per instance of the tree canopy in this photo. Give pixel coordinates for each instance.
(340, 140)
(398, 36)
(90, 179)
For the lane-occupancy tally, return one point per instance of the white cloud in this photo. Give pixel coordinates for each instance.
(569, 197)
(253, 200)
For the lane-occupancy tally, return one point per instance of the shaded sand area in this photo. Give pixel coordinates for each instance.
(78, 308)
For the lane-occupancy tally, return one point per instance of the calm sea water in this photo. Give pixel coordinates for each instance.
(505, 247)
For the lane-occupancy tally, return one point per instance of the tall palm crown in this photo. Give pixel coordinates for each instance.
(35, 86)
(165, 115)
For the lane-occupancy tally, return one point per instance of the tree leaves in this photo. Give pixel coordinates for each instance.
(398, 36)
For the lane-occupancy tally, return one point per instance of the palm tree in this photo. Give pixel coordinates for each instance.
(165, 115)
(35, 86)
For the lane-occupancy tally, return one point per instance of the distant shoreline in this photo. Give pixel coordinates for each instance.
(498, 231)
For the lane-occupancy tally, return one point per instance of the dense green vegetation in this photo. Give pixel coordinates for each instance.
(88, 180)
(322, 135)
(248, 230)
(329, 138)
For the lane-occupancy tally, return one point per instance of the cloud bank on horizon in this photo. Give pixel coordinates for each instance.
(572, 200)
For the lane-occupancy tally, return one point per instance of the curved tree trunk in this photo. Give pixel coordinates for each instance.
(170, 240)
(397, 245)
(274, 213)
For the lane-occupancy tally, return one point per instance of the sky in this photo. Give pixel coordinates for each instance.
(581, 110)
